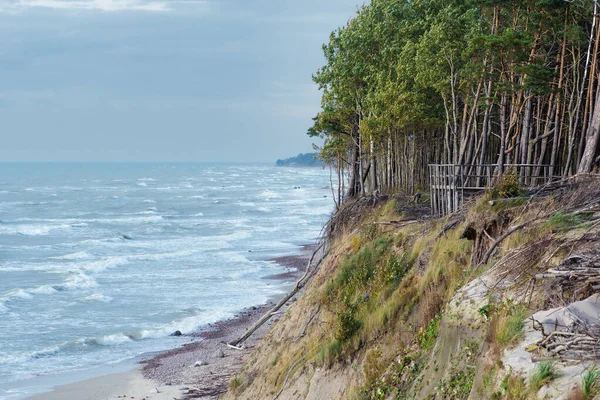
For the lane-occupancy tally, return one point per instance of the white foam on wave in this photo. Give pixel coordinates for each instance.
(198, 215)
(269, 194)
(109, 340)
(162, 256)
(264, 209)
(186, 326)
(103, 264)
(143, 184)
(80, 280)
(31, 230)
(198, 196)
(80, 255)
(19, 294)
(96, 296)
(147, 212)
(149, 201)
(24, 357)
(24, 294)
(45, 289)
(129, 220)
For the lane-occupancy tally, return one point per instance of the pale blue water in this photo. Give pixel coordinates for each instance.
(101, 262)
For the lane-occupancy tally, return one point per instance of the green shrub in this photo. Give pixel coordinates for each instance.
(428, 335)
(589, 383)
(507, 186)
(346, 323)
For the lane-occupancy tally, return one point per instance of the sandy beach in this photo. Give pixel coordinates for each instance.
(201, 369)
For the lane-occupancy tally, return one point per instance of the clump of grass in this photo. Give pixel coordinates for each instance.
(562, 222)
(514, 388)
(509, 329)
(373, 366)
(543, 373)
(236, 383)
(589, 382)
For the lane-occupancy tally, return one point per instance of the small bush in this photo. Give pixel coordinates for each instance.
(543, 373)
(507, 186)
(589, 383)
(346, 323)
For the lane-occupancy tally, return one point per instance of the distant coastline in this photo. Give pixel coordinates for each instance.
(301, 160)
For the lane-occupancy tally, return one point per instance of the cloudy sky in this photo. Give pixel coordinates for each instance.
(161, 80)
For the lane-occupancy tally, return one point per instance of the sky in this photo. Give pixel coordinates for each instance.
(161, 80)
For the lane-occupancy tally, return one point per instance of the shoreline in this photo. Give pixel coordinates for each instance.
(199, 369)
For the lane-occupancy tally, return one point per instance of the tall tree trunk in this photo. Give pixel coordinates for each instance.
(593, 134)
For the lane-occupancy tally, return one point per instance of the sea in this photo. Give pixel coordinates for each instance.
(100, 263)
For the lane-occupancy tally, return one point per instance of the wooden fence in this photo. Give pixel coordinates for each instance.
(450, 183)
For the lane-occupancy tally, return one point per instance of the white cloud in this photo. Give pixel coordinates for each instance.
(100, 5)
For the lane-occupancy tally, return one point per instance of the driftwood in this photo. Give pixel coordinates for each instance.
(450, 225)
(399, 223)
(506, 234)
(493, 202)
(299, 285)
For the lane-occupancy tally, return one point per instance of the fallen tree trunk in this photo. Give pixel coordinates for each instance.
(299, 285)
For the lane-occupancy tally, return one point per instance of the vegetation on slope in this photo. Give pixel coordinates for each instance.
(405, 308)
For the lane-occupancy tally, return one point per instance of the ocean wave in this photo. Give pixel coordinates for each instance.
(31, 230)
(143, 184)
(103, 264)
(109, 340)
(96, 296)
(79, 280)
(80, 255)
(147, 212)
(15, 294)
(23, 357)
(45, 289)
(18, 294)
(269, 194)
(149, 201)
(186, 326)
(161, 256)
